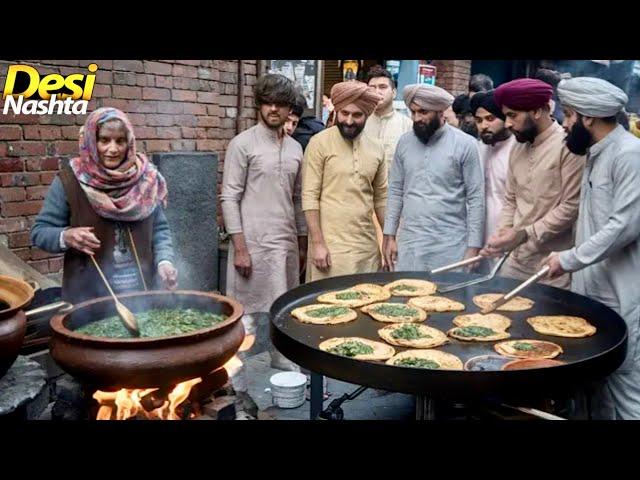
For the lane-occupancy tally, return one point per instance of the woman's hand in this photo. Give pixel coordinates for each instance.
(168, 275)
(82, 239)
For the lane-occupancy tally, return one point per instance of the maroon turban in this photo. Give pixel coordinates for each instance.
(524, 94)
(358, 93)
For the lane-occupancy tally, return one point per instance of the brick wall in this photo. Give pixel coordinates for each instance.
(453, 75)
(174, 105)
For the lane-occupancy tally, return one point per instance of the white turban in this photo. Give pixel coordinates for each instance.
(592, 97)
(427, 97)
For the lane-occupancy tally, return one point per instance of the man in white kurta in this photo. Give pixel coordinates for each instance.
(261, 204)
(605, 260)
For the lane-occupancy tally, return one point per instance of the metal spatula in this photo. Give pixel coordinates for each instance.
(475, 281)
(505, 298)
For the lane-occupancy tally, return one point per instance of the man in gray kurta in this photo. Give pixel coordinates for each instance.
(436, 189)
(606, 256)
(261, 204)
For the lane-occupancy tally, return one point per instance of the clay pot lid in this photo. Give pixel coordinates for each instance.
(528, 363)
(15, 294)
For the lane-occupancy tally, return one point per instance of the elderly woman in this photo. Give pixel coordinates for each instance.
(108, 203)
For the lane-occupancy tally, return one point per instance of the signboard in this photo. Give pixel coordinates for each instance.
(427, 74)
(302, 73)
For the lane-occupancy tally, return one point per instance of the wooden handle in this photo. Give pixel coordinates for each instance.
(135, 254)
(104, 279)
(461, 263)
(527, 282)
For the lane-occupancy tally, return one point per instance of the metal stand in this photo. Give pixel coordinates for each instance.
(425, 408)
(316, 395)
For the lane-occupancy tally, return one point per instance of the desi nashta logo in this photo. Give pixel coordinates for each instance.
(27, 92)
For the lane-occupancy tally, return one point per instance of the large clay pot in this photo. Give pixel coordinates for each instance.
(14, 295)
(108, 363)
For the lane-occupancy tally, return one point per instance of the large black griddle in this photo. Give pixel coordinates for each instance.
(586, 358)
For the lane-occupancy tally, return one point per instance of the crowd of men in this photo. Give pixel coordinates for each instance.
(541, 170)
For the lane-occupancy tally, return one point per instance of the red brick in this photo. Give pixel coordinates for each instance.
(139, 118)
(101, 91)
(47, 178)
(157, 68)
(158, 146)
(189, 62)
(194, 108)
(150, 93)
(70, 133)
(55, 264)
(164, 82)
(169, 133)
(207, 97)
(20, 119)
(66, 148)
(19, 179)
(185, 120)
(42, 132)
(215, 110)
(227, 100)
(12, 194)
(202, 132)
(122, 91)
(181, 83)
(147, 106)
(170, 107)
(188, 132)
(145, 132)
(41, 265)
(230, 89)
(119, 104)
(22, 253)
(183, 96)
(61, 119)
(144, 80)
(19, 149)
(159, 120)
(20, 209)
(11, 165)
(128, 65)
(185, 71)
(51, 163)
(8, 225)
(10, 132)
(37, 193)
(183, 145)
(206, 145)
(19, 239)
(208, 122)
(37, 254)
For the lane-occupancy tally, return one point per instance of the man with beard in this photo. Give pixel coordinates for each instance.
(344, 182)
(495, 148)
(462, 108)
(386, 124)
(261, 204)
(543, 183)
(606, 256)
(436, 186)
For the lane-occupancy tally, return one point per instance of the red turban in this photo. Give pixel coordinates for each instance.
(524, 94)
(358, 93)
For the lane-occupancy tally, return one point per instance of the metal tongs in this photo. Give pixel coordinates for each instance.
(462, 263)
(505, 298)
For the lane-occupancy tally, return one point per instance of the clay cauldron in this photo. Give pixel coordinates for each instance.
(109, 363)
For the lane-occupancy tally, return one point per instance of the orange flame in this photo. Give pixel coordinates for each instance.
(128, 402)
(247, 343)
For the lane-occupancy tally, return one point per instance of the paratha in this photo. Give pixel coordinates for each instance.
(428, 359)
(411, 287)
(433, 303)
(394, 312)
(516, 304)
(357, 296)
(527, 348)
(412, 335)
(475, 333)
(356, 347)
(562, 326)
(495, 321)
(323, 314)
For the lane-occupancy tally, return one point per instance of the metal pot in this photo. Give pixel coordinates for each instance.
(16, 295)
(108, 363)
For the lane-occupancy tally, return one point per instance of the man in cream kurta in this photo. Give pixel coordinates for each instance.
(344, 182)
(543, 183)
